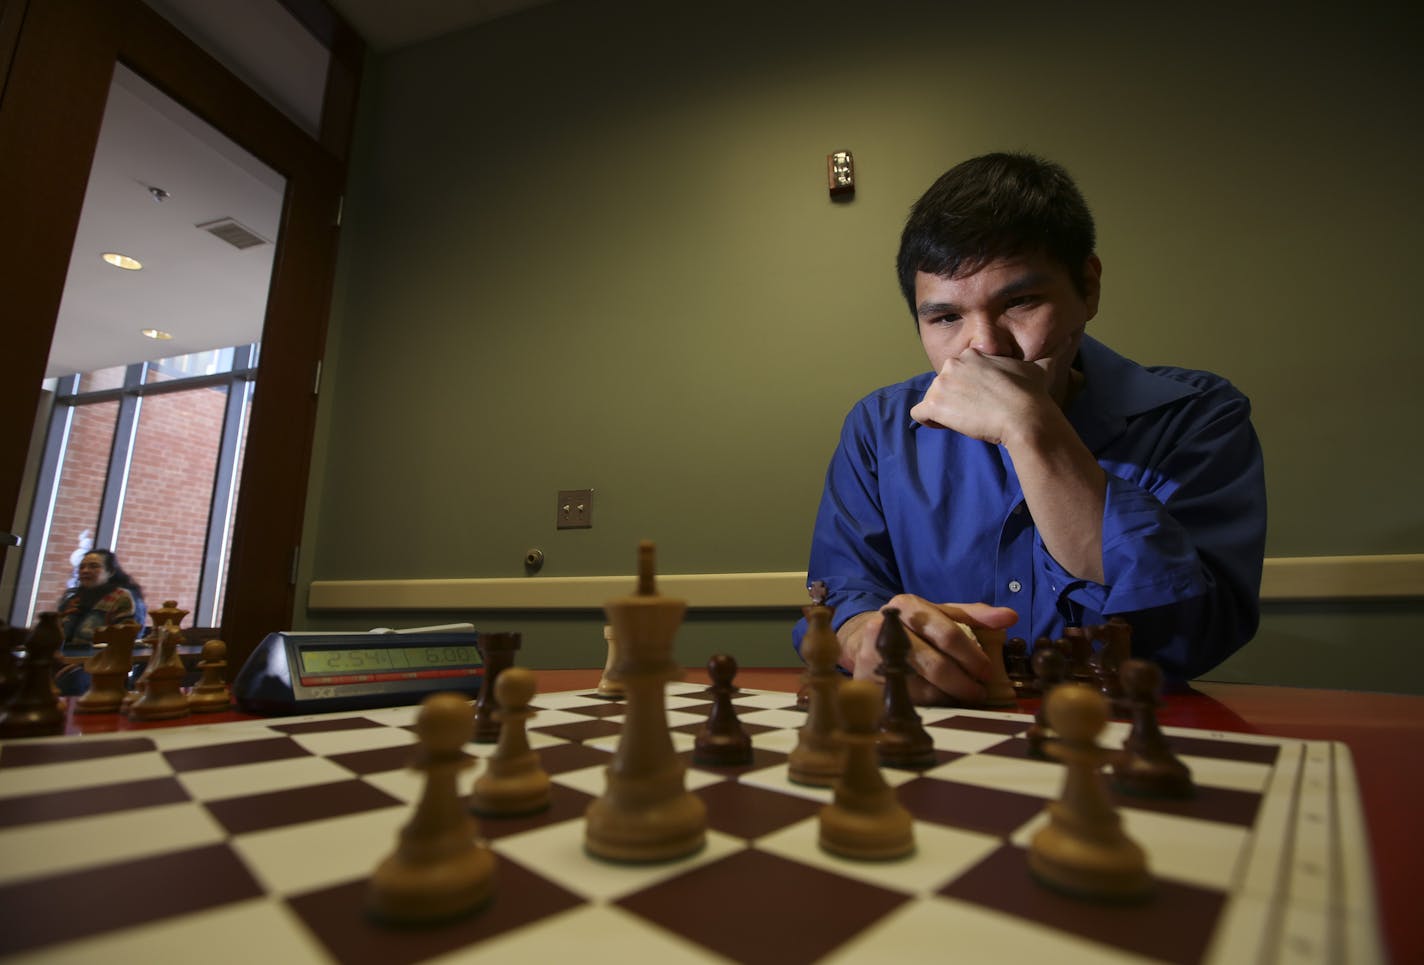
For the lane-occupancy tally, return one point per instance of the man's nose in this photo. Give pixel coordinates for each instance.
(988, 336)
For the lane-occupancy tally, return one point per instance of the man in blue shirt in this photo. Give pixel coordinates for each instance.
(1034, 479)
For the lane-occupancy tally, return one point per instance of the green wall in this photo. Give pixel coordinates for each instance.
(590, 245)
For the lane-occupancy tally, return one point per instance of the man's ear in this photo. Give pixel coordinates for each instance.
(1092, 283)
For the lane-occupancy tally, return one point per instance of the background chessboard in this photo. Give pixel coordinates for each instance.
(252, 841)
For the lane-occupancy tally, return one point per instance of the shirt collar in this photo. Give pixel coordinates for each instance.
(1115, 389)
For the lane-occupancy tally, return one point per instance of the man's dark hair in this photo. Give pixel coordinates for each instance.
(991, 207)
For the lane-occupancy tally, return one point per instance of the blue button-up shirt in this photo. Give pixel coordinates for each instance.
(908, 509)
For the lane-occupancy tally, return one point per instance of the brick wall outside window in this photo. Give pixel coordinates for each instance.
(163, 528)
(77, 499)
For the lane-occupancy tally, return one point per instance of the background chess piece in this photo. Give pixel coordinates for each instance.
(1082, 851)
(211, 694)
(1116, 638)
(646, 812)
(1109, 675)
(609, 688)
(819, 757)
(722, 742)
(158, 656)
(497, 652)
(108, 669)
(169, 615)
(1147, 765)
(161, 694)
(32, 710)
(865, 821)
(1117, 634)
(904, 742)
(1020, 669)
(1050, 667)
(440, 869)
(10, 639)
(514, 782)
(998, 689)
(1080, 655)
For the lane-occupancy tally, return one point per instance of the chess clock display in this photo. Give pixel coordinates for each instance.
(307, 673)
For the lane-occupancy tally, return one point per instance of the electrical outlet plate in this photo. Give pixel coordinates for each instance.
(575, 509)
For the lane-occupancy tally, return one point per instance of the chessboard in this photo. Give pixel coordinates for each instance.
(254, 841)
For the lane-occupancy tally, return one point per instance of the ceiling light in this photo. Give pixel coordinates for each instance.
(121, 261)
(156, 334)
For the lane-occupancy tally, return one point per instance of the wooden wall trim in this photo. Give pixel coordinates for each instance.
(1285, 579)
(1394, 577)
(716, 590)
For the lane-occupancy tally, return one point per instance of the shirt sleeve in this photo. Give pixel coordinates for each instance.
(1183, 537)
(850, 546)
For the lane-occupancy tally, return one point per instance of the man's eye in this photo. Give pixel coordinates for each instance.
(947, 319)
(1023, 301)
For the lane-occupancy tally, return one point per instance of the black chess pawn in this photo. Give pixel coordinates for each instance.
(1050, 667)
(1116, 637)
(497, 653)
(1020, 671)
(1107, 672)
(33, 710)
(1080, 655)
(722, 742)
(904, 742)
(1147, 766)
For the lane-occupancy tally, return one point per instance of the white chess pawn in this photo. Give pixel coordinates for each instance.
(819, 757)
(1082, 850)
(514, 782)
(440, 869)
(999, 689)
(609, 685)
(865, 821)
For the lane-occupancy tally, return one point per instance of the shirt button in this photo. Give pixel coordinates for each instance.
(1015, 586)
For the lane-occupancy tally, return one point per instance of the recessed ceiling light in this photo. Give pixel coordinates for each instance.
(157, 334)
(121, 261)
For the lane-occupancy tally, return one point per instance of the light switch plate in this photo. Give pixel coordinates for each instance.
(575, 509)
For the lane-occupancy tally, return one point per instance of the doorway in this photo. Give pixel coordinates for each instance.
(153, 359)
(57, 62)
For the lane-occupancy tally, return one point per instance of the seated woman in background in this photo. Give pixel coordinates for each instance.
(106, 596)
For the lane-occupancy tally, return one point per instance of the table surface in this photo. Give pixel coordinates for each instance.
(1384, 732)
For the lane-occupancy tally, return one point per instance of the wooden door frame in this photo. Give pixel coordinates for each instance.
(57, 60)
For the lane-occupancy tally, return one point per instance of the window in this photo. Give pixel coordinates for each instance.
(143, 460)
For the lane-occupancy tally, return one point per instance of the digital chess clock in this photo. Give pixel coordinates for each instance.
(309, 673)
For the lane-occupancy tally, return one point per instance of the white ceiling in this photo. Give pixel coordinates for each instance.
(202, 290)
